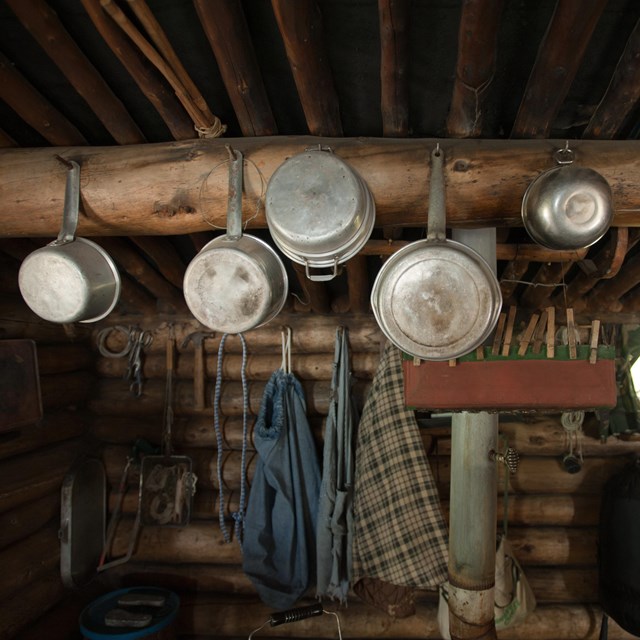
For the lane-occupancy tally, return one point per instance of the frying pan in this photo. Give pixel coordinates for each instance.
(436, 299)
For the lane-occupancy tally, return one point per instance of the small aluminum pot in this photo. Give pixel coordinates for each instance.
(71, 279)
(320, 212)
(436, 299)
(236, 282)
(567, 207)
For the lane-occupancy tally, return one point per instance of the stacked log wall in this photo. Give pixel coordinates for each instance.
(34, 460)
(553, 515)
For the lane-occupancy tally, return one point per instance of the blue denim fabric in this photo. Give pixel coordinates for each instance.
(279, 547)
(335, 511)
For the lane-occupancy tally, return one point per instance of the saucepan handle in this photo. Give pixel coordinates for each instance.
(234, 197)
(71, 204)
(436, 229)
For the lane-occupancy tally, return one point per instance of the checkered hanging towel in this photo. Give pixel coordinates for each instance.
(400, 537)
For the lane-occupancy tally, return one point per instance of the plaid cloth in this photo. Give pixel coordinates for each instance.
(400, 536)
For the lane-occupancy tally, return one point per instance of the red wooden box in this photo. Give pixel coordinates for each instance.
(510, 385)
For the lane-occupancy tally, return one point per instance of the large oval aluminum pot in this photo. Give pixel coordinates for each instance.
(236, 282)
(567, 207)
(320, 212)
(436, 299)
(71, 279)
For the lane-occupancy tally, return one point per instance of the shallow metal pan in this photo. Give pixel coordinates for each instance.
(436, 299)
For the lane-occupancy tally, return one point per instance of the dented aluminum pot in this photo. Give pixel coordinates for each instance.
(71, 279)
(236, 282)
(320, 212)
(436, 299)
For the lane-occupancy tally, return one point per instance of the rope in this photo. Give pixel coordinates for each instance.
(238, 516)
(214, 131)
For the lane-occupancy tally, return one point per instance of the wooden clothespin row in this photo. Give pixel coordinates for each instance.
(452, 362)
(593, 345)
(538, 336)
(416, 361)
(571, 335)
(528, 334)
(551, 332)
(480, 352)
(506, 347)
(497, 339)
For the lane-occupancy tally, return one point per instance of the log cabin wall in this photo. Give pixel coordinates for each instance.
(553, 515)
(34, 460)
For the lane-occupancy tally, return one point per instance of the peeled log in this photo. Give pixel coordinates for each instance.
(27, 605)
(219, 617)
(310, 334)
(28, 560)
(164, 189)
(65, 390)
(28, 518)
(112, 397)
(201, 541)
(258, 367)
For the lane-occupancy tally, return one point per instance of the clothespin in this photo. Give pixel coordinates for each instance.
(593, 345)
(506, 347)
(497, 339)
(539, 333)
(571, 335)
(551, 332)
(528, 334)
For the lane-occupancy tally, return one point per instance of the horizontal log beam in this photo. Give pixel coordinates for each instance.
(28, 518)
(258, 367)
(309, 335)
(170, 188)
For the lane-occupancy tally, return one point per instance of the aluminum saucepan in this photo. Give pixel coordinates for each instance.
(236, 282)
(71, 279)
(436, 299)
(320, 212)
(567, 207)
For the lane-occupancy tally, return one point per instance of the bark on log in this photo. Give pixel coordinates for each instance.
(21, 522)
(475, 67)
(111, 397)
(394, 79)
(258, 367)
(556, 65)
(164, 256)
(35, 109)
(214, 616)
(24, 607)
(164, 189)
(34, 475)
(54, 427)
(309, 335)
(226, 28)
(44, 25)
(300, 25)
(27, 561)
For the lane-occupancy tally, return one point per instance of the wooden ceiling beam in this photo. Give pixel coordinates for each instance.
(6, 140)
(300, 24)
(510, 278)
(35, 109)
(43, 24)
(164, 256)
(225, 26)
(394, 62)
(142, 73)
(538, 293)
(622, 94)
(606, 295)
(475, 68)
(170, 189)
(559, 57)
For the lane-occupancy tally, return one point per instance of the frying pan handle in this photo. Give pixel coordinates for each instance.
(71, 203)
(436, 226)
(234, 198)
